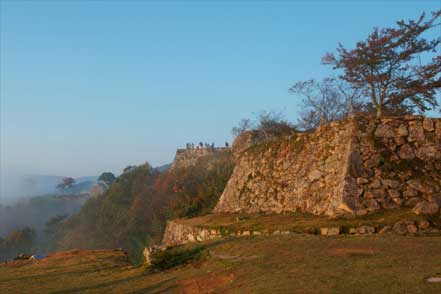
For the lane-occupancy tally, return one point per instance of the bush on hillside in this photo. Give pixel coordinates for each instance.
(17, 242)
(270, 122)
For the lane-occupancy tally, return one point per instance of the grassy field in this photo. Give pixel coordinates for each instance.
(271, 264)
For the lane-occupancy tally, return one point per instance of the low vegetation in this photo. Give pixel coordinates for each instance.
(271, 122)
(178, 256)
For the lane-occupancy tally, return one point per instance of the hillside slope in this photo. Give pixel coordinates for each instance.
(133, 212)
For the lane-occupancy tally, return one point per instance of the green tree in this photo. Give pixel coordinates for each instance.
(107, 177)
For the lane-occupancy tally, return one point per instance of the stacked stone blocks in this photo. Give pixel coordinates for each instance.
(354, 167)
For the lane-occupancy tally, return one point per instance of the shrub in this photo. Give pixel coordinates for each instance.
(176, 256)
(268, 121)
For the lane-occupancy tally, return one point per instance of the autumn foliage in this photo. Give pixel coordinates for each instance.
(133, 212)
(387, 66)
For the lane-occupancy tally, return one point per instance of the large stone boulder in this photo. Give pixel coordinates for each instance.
(149, 253)
(400, 228)
(330, 231)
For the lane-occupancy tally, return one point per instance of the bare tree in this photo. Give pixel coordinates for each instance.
(274, 122)
(326, 101)
(245, 124)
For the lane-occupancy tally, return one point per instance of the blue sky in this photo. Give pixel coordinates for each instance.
(93, 86)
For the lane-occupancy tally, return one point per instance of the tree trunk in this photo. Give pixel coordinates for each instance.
(379, 111)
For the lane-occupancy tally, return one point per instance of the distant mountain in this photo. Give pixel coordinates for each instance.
(86, 179)
(164, 168)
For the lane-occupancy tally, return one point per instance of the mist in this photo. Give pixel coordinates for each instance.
(19, 186)
(11, 187)
(30, 200)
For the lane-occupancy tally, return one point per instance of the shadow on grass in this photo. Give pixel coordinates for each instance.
(181, 255)
(156, 288)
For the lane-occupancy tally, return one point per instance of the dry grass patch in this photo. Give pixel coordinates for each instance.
(206, 284)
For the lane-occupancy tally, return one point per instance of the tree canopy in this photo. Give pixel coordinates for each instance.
(107, 177)
(385, 68)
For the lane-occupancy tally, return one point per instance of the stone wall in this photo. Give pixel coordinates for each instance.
(395, 162)
(301, 172)
(351, 167)
(177, 234)
(189, 157)
(180, 231)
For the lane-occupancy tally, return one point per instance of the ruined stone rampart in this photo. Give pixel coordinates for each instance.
(177, 234)
(189, 157)
(351, 167)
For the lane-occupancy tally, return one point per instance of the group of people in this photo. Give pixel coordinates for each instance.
(203, 145)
